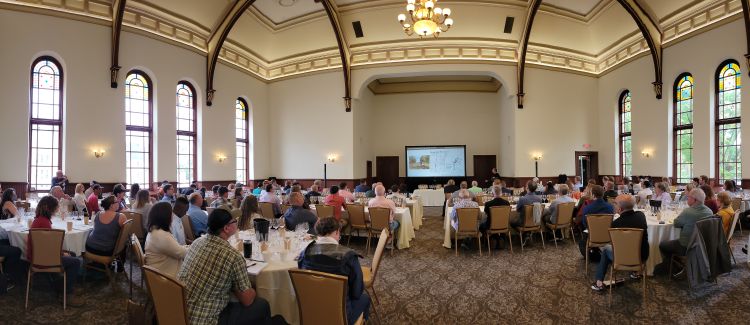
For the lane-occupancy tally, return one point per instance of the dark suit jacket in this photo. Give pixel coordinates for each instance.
(634, 219)
(450, 188)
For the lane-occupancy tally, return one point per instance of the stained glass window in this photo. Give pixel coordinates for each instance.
(186, 134)
(683, 128)
(728, 119)
(45, 125)
(241, 134)
(626, 150)
(138, 129)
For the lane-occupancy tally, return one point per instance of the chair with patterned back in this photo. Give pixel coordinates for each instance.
(529, 225)
(598, 225)
(468, 226)
(737, 206)
(499, 224)
(266, 210)
(188, 227)
(626, 252)
(370, 273)
(137, 249)
(380, 219)
(47, 258)
(138, 221)
(169, 297)
(323, 211)
(564, 220)
(321, 297)
(357, 221)
(89, 259)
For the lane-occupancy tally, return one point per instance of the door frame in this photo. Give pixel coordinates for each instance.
(594, 164)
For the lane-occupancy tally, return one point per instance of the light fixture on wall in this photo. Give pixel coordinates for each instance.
(425, 18)
(537, 157)
(646, 153)
(221, 158)
(331, 157)
(98, 153)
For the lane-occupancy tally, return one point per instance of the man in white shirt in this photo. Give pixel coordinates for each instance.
(178, 212)
(644, 193)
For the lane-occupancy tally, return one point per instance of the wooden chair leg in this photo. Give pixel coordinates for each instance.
(611, 281)
(572, 235)
(455, 244)
(586, 254)
(479, 241)
(542, 234)
(554, 236)
(28, 287)
(489, 247)
(520, 237)
(643, 277)
(65, 290)
(510, 242)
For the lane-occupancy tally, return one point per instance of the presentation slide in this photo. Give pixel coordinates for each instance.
(436, 161)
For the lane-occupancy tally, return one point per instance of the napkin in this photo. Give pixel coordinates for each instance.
(254, 267)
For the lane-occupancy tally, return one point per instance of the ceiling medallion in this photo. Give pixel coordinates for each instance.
(287, 3)
(425, 19)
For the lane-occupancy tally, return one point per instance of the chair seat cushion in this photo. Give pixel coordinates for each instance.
(97, 258)
(367, 276)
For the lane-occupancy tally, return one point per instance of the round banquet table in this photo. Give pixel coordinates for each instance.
(75, 240)
(658, 233)
(430, 198)
(405, 231)
(417, 211)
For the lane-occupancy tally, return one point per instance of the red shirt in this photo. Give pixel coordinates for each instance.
(92, 204)
(39, 222)
(337, 202)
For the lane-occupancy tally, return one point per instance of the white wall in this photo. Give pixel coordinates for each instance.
(651, 128)
(94, 112)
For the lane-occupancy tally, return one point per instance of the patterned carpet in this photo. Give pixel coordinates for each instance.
(427, 284)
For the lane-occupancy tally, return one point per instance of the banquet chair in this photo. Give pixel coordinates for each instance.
(735, 220)
(369, 273)
(135, 246)
(188, 227)
(323, 211)
(626, 252)
(285, 207)
(138, 222)
(357, 221)
(47, 258)
(564, 220)
(209, 210)
(379, 220)
(737, 206)
(169, 297)
(529, 225)
(499, 224)
(598, 233)
(321, 297)
(468, 226)
(266, 210)
(90, 258)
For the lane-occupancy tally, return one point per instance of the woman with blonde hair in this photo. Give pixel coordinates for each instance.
(250, 211)
(142, 205)
(726, 212)
(79, 198)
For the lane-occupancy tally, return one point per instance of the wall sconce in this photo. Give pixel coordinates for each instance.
(221, 158)
(646, 154)
(537, 157)
(98, 153)
(331, 158)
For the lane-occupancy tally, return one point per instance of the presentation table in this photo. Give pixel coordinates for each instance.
(431, 198)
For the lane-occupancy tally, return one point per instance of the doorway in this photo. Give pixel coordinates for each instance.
(587, 165)
(483, 165)
(386, 169)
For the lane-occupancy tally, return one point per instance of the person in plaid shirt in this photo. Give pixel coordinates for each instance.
(212, 271)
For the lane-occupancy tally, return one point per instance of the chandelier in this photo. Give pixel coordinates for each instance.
(425, 19)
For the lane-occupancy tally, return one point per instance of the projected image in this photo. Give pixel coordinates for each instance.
(422, 163)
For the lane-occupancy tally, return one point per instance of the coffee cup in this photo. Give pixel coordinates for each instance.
(70, 225)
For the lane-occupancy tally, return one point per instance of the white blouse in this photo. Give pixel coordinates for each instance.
(164, 252)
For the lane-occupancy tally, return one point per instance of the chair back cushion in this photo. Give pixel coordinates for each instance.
(736, 203)
(188, 227)
(379, 252)
(735, 219)
(380, 218)
(122, 237)
(468, 218)
(266, 210)
(500, 217)
(321, 297)
(528, 215)
(137, 250)
(565, 213)
(626, 246)
(168, 295)
(356, 215)
(47, 245)
(138, 220)
(323, 211)
(598, 227)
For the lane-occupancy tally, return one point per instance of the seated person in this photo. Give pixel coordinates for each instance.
(249, 211)
(711, 201)
(268, 196)
(662, 194)
(312, 193)
(464, 186)
(686, 221)
(178, 211)
(213, 271)
(609, 191)
(12, 264)
(297, 214)
(549, 189)
(119, 192)
(551, 216)
(628, 219)
(45, 209)
(8, 204)
(362, 187)
(162, 250)
(527, 199)
(92, 202)
(107, 226)
(326, 255)
(464, 201)
(142, 205)
(222, 199)
(198, 217)
(168, 193)
(337, 202)
(379, 201)
(644, 193)
(475, 189)
(396, 193)
(726, 212)
(598, 205)
(497, 191)
(345, 193)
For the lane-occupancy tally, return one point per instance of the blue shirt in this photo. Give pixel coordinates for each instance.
(599, 206)
(256, 191)
(528, 199)
(361, 188)
(198, 219)
(177, 230)
(167, 198)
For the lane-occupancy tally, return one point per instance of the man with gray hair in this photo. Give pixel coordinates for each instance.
(497, 191)
(464, 186)
(464, 201)
(686, 220)
(564, 191)
(380, 201)
(475, 189)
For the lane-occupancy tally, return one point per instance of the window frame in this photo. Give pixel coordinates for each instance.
(149, 129)
(718, 122)
(53, 122)
(246, 140)
(676, 128)
(193, 134)
(621, 135)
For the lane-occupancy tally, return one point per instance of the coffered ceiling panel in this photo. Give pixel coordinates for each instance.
(581, 7)
(203, 12)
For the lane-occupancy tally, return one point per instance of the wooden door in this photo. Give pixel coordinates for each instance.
(369, 171)
(587, 165)
(483, 165)
(386, 168)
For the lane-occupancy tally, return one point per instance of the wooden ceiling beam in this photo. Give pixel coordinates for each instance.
(344, 50)
(522, 47)
(651, 31)
(216, 40)
(118, 9)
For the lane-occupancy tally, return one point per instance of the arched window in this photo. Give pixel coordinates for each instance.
(683, 128)
(626, 152)
(728, 136)
(241, 138)
(45, 124)
(138, 129)
(187, 135)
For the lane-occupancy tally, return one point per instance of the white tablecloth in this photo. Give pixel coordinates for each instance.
(447, 243)
(658, 233)
(417, 212)
(75, 240)
(405, 231)
(431, 198)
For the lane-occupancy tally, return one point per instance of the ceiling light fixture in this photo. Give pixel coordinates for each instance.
(287, 3)
(425, 18)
